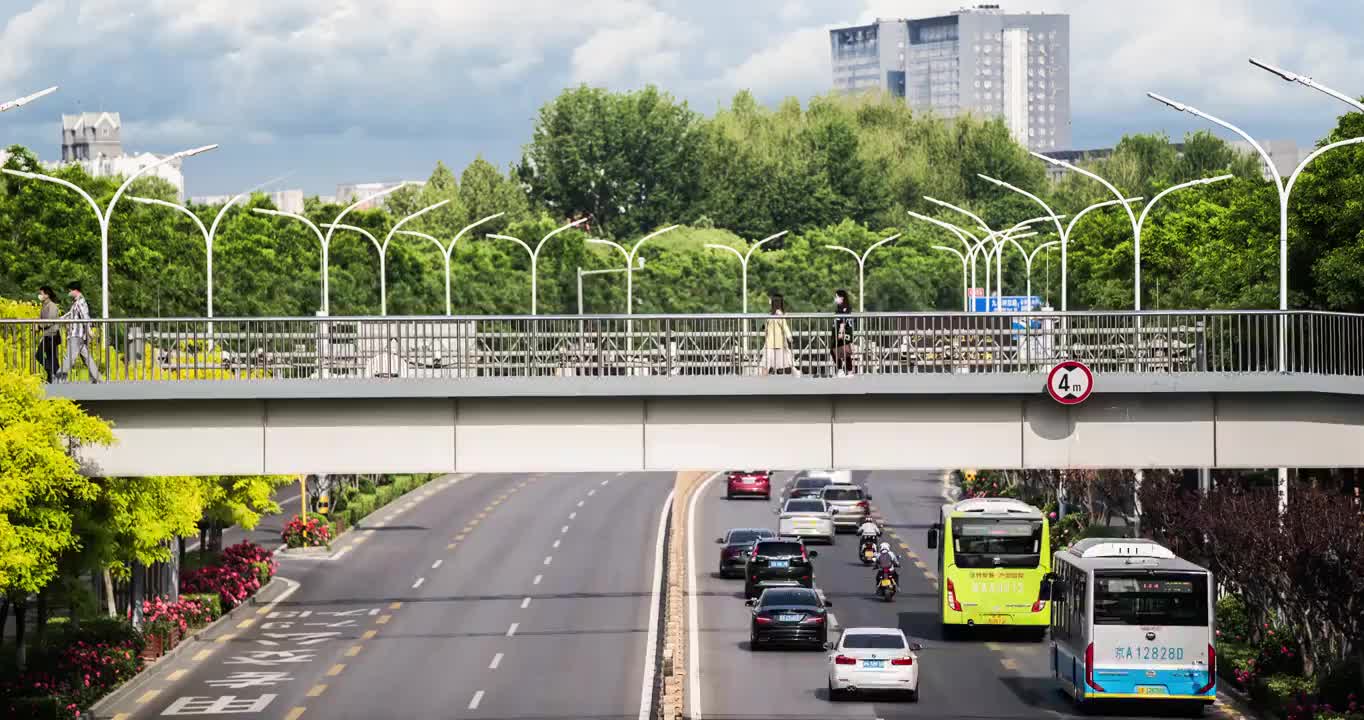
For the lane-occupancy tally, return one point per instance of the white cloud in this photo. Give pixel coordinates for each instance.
(647, 46)
(796, 63)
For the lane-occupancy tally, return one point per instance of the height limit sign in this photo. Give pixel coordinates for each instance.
(1070, 383)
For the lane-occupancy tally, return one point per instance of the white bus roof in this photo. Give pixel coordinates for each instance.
(1108, 553)
(994, 506)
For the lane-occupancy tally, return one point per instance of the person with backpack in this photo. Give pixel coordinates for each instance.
(840, 345)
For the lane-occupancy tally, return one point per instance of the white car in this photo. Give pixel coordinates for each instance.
(873, 660)
(807, 518)
(836, 477)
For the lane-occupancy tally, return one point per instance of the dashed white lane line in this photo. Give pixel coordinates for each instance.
(591, 492)
(605, 482)
(497, 660)
(581, 503)
(537, 579)
(419, 582)
(478, 698)
(572, 515)
(556, 544)
(833, 621)
(512, 630)
(525, 603)
(436, 564)
(563, 530)
(549, 559)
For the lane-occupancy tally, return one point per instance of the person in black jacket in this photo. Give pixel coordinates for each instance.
(841, 343)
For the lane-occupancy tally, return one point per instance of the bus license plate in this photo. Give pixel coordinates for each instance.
(997, 619)
(1151, 690)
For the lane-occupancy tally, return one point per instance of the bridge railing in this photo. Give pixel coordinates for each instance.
(662, 345)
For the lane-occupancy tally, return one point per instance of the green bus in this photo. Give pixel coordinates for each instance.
(993, 554)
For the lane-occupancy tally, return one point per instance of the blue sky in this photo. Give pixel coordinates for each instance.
(350, 91)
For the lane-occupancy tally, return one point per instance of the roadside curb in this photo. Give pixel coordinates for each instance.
(278, 588)
(1236, 703)
(315, 553)
(674, 659)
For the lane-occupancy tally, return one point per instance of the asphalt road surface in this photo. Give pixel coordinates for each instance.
(489, 596)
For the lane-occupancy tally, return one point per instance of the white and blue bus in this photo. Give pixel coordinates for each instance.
(1130, 621)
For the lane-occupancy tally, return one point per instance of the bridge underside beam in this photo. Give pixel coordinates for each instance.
(163, 437)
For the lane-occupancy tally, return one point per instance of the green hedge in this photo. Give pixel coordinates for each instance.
(360, 504)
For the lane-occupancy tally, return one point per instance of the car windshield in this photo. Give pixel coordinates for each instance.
(807, 483)
(737, 537)
(842, 494)
(777, 549)
(997, 543)
(789, 597)
(797, 506)
(873, 642)
(1178, 599)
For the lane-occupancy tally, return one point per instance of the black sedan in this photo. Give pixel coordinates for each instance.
(738, 545)
(795, 616)
(808, 486)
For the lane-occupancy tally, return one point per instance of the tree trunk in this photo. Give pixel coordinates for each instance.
(40, 633)
(4, 613)
(110, 602)
(20, 652)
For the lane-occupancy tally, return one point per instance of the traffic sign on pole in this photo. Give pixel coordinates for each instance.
(1008, 303)
(1070, 383)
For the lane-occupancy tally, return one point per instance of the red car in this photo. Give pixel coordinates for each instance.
(750, 483)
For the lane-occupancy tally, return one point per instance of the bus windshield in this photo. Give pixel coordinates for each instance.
(981, 543)
(1173, 599)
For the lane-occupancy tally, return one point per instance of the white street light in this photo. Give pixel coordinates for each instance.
(743, 261)
(1008, 236)
(1027, 259)
(608, 271)
(965, 298)
(382, 247)
(325, 240)
(862, 266)
(103, 215)
(630, 262)
(1309, 82)
(1141, 222)
(20, 102)
(980, 244)
(210, 232)
(535, 254)
(448, 251)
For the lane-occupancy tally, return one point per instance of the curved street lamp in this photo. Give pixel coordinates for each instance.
(862, 266)
(535, 254)
(743, 261)
(448, 251)
(1141, 222)
(1309, 82)
(382, 247)
(630, 262)
(20, 102)
(103, 215)
(965, 289)
(325, 240)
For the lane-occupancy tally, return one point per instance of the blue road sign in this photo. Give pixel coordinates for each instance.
(1008, 303)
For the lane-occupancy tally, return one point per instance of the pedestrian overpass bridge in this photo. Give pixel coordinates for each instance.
(1238, 389)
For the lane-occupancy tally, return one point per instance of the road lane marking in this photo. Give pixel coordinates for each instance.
(353, 650)
(693, 606)
(537, 579)
(368, 634)
(525, 603)
(295, 713)
(563, 530)
(478, 698)
(482, 515)
(246, 623)
(436, 564)
(451, 546)
(993, 646)
(556, 544)
(419, 582)
(497, 660)
(920, 564)
(1009, 663)
(360, 539)
(549, 559)
(591, 492)
(607, 481)
(833, 621)
(460, 537)
(395, 605)
(317, 690)
(581, 502)
(383, 619)
(512, 630)
(147, 696)
(467, 529)
(343, 552)
(573, 515)
(176, 675)
(122, 716)
(336, 669)
(201, 655)
(229, 637)
(490, 507)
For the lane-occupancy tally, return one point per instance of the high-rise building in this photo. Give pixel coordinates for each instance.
(979, 60)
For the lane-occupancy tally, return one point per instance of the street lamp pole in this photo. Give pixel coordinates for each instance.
(743, 261)
(1027, 259)
(382, 247)
(535, 254)
(448, 251)
(103, 215)
(862, 267)
(20, 102)
(584, 273)
(630, 261)
(1141, 222)
(965, 302)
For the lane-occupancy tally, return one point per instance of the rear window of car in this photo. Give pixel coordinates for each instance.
(805, 506)
(748, 536)
(790, 597)
(838, 493)
(813, 482)
(873, 642)
(781, 547)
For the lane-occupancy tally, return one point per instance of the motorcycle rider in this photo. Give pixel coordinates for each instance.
(869, 531)
(887, 561)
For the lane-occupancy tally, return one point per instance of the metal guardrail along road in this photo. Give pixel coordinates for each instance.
(266, 349)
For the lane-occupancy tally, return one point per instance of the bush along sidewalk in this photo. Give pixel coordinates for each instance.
(76, 665)
(353, 504)
(312, 532)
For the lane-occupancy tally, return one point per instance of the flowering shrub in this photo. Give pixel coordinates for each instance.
(80, 674)
(161, 617)
(244, 568)
(312, 532)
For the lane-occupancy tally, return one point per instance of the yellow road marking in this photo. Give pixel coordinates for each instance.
(122, 716)
(1008, 663)
(176, 675)
(451, 546)
(148, 696)
(460, 537)
(246, 623)
(360, 540)
(226, 638)
(354, 650)
(920, 564)
(904, 546)
(482, 515)
(369, 634)
(993, 646)
(488, 509)
(383, 619)
(394, 605)
(295, 713)
(336, 669)
(317, 690)
(263, 610)
(201, 655)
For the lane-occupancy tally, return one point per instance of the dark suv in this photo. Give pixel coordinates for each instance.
(783, 562)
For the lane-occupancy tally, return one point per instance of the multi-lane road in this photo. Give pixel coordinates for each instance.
(531, 596)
